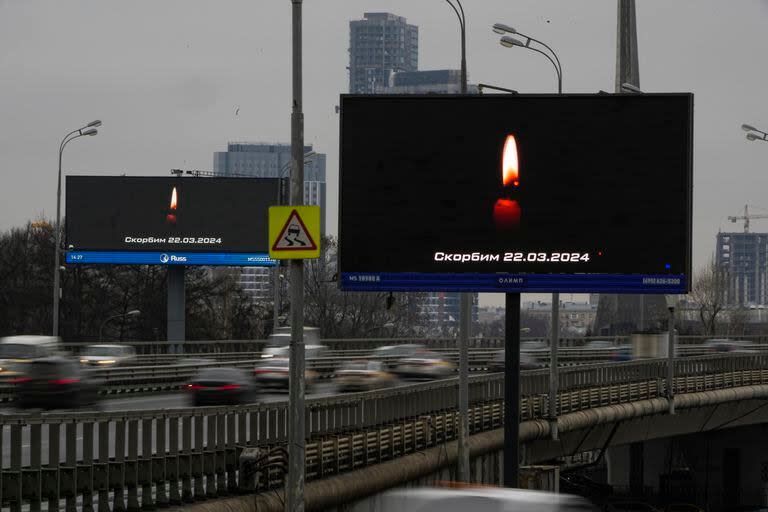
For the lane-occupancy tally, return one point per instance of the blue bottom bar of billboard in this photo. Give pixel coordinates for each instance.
(258, 259)
(515, 283)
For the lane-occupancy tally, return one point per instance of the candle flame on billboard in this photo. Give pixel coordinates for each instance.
(174, 199)
(510, 174)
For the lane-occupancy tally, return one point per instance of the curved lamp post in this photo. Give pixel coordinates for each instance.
(510, 42)
(87, 130)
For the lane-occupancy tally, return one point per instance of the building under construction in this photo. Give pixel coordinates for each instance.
(744, 258)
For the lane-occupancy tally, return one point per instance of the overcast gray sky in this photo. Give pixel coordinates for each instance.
(166, 78)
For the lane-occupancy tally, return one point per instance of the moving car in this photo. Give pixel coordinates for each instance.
(425, 365)
(363, 375)
(391, 355)
(574, 483)
(482, 499)
(222, 386)
(273, 373)
(56, 383)
(107, 356)
(727, 345)
(527, 362)
(17, 351)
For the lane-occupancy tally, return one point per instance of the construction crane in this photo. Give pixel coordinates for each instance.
(746, 217)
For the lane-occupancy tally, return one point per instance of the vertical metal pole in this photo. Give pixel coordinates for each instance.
(56, 249)
(176, 300)
(512, 390)
(276, 299)
(671, 361)
(295, 489)
(465, 311)
(553, 363)
(465, 325)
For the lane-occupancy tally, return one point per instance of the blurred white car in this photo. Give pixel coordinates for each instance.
(17, 351)
(363, 375)
(485, 499)
(425, 365)
(108, 356)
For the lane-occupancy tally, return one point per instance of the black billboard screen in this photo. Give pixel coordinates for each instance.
(516, 192)
(196, 215)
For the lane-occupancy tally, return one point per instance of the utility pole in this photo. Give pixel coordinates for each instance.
(465, 300)
(294, 501)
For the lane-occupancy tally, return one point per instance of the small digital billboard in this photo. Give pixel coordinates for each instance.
(169, 220)
(512, 193)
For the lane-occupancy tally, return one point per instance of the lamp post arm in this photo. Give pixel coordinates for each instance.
(545, 45)
(557, 69)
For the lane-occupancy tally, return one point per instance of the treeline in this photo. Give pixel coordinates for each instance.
(216, 306)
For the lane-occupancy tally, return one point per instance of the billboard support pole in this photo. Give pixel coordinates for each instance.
(553, 363)
(512, 390)
(176, 305)
(296, 450)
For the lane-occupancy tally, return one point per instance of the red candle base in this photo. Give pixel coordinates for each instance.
(170, 218)
(506, 214)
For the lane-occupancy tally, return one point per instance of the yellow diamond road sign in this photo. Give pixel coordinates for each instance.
(294, 232)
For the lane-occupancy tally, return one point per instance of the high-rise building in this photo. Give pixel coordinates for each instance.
(434, 81)
(379, 45)
(263, 160)
(744, 258)
(441, 311)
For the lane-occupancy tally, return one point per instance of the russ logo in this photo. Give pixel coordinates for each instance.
(506, 210)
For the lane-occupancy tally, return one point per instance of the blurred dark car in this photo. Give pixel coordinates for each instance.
(56, 383)
(574, 483)
(622, 353)
(727, 345)
(222, 386)
(363, 375)
(273, 373)
(527, 362)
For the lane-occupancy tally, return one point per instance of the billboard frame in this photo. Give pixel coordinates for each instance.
(551, 282)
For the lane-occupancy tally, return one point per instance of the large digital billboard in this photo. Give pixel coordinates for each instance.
(516, 193)
(173, 220)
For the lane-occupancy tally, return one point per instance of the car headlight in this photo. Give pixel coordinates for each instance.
(107, 361)
(266, 356)
(84, 361)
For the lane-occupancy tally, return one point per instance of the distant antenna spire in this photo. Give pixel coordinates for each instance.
(627, 67)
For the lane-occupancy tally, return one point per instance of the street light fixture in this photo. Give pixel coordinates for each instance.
(133, 312)
(754, 134)
(87, 130)
(511, 42)
(501, 28)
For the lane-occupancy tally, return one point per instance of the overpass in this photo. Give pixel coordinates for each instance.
(149, 458)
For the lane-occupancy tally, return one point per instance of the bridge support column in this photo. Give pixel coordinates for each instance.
(626, 468)
(176, 305)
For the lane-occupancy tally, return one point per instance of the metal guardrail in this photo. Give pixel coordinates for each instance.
(156, 457)
(200, 348)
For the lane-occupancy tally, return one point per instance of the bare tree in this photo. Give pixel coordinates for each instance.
(708, 293)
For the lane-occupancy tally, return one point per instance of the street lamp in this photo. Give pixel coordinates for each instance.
(133, 312)
(510, 42)
(459, 10)
(754, 134)
(87, 130)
